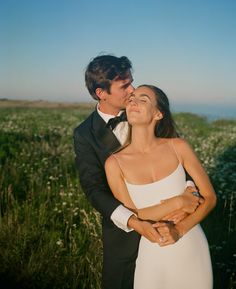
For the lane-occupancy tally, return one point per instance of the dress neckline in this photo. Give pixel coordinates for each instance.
(157, 181)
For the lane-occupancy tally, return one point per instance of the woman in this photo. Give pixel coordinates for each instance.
(149, 170)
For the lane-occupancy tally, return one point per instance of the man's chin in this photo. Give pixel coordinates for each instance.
(123, 106)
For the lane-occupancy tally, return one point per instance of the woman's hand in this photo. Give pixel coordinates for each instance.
(187, 202)
(190, 202)
(176, 216)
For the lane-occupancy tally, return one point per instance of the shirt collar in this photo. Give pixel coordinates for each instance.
(106, 117)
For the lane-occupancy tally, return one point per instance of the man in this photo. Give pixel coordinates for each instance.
(109, 81)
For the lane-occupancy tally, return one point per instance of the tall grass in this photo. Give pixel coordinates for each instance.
(50, 235)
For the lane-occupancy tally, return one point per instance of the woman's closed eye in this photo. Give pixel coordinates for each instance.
(132, 98)
(143, 100)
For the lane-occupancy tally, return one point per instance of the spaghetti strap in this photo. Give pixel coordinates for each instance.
(118, 162)
(172, 144)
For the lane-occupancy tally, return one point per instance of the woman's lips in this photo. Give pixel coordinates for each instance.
(133, 110)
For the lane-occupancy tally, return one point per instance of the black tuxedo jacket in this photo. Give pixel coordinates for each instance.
(94, 143)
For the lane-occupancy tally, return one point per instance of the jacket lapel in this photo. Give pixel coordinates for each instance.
(103, 135)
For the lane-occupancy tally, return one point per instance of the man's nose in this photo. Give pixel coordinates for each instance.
(131, 89)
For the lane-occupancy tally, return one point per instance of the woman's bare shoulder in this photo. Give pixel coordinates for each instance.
(180, 143)
(115, 157)
(183, 148)
(111, 163)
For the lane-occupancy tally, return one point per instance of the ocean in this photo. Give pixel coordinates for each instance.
(210, 111)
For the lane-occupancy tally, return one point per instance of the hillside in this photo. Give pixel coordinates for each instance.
(4, 102)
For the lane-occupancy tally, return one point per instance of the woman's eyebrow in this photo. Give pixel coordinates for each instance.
(143, 94)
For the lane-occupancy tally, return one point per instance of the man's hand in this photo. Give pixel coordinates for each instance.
(168, 232)
(145, 229)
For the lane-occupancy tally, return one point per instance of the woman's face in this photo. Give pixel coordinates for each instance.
(142, 107)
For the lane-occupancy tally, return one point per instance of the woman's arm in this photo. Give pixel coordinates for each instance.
(118, 187)
(202, 181)
(116, 182)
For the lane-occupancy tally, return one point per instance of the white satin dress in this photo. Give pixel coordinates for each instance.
(183, 265)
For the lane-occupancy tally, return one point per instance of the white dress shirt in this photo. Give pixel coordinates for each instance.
(121, 214)
(122, 128)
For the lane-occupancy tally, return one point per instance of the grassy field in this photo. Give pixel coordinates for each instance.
(50, 235)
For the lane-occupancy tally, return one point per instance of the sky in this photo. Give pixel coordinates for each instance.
(185, 47)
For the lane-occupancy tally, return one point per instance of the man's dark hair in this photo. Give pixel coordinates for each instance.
(103, 69)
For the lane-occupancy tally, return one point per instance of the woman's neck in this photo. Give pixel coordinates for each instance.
(143, 139)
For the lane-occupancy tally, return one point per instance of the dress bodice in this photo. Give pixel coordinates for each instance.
(152, 193)
(167, 267)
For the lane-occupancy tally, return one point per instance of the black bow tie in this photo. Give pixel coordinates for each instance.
(113, 122)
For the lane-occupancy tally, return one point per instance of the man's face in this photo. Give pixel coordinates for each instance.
(118, 97)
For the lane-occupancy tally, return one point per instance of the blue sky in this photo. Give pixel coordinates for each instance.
(186, 47)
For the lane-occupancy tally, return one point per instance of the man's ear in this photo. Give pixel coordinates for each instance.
(101, 94)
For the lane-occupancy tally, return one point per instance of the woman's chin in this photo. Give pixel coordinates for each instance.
(134, 121)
